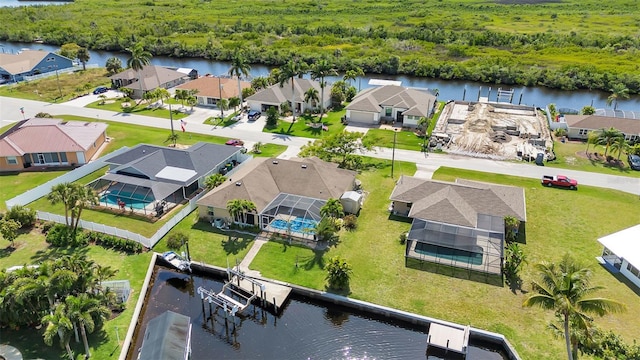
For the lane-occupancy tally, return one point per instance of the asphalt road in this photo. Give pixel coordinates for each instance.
(252, 132)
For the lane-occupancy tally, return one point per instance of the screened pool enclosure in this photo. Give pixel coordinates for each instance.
(292, 215)
(456, 246)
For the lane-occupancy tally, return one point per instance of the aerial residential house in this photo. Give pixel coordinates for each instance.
(152, 77)
(210, 89)
(288, 194)
(14, 67)
(622, 253)
(147, 176)
(275, 95)
(391, 103)
(457, 224)
(579, 126)
(40, 142)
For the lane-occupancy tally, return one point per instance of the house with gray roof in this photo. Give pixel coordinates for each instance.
(148, 175)
(14, 67)
(275, 95)
(391, 103)
(458, 224)
(284, 192)
(151, 76)
(579, 126)
(40, 143)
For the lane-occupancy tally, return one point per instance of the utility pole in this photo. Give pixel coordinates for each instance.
(393, 153)
(58, 79)
(171, 118)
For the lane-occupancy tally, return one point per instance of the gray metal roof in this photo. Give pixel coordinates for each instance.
(167, 337)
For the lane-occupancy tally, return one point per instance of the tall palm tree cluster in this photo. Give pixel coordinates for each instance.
(239, 208)
(612, 139)
(65, 295)
(75, 197)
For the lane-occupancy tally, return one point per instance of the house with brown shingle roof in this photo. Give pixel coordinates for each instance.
(50, 142)
(579, 126)
(210, 89)
(152, 77)
(457, 224)
(275, 95)
(401, 105)
(14, 67)
(290, 191)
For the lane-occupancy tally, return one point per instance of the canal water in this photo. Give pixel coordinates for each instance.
(448, 90)
(305, 329)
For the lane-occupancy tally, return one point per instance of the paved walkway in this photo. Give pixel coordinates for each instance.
(246, 261)
(252, 132)
(10, 353)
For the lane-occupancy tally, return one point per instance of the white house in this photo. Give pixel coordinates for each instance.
(275, 95)
(579, 126)
(391, 103)
(622, 253)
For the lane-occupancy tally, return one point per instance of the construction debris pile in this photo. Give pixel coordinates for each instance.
(495, 130)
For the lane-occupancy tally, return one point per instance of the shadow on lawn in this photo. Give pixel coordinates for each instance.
(6, 252)
(51, 253)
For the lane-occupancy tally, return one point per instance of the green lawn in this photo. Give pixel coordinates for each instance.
(115, 104)
(558, 222)
(406, 140)
(16, 184)
(571, 155)
(301, 126)
(50, 89)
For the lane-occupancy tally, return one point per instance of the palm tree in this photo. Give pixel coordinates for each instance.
(423, 124)
(247, 207)
(181, 95)
(113, 65)
(607, 137)
(83, 196)
(84, 56)
(619, 91)
(288, 73)
(592, 139)
(260, 82)
(223, 104)
(138, 60)
(162, 94)
(239, 67)
(82, 311)
(620, 145)
(234, 207)
(565, 288)
(61, 193)
(173, 138)
(215, 180)
(311, 97)
(58, 324)
(319, 71)
(352, 74)
(338, 273)
(332, 208)
(234, 102)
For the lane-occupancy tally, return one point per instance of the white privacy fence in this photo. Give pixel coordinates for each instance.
(60, 71)
(44, 189)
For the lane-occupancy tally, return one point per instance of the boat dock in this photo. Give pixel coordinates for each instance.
(271, 295)
(449, 338)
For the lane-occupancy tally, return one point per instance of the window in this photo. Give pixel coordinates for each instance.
(387, 111)
(633, 270)
(583, 132)
(63, 157)
(12, 160)
(209, 210)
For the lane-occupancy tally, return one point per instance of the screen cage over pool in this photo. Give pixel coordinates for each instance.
(119, 191)
(437, 245)
(299, 214)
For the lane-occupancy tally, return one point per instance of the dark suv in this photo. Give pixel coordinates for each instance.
(100, 90)
(634, 161)
(254, 115)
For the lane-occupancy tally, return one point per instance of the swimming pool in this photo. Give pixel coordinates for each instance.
(462, 256)
(135, 201)
(299, 225)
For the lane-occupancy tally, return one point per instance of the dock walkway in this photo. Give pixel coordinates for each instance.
(449, 338)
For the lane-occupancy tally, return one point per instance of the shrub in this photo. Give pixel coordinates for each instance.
(62, 236)
(403, 238)
(176, 240)
(350, 222)
(46, 226)
(43, 115)
(115, 243)
(23, 215)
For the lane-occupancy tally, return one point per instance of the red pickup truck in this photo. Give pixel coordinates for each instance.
(559, 181)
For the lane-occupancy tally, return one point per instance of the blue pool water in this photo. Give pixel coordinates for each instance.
(449, 254)
(299, 225)
(131, 200)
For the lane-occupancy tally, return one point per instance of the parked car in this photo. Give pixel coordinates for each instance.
(235, 142)
(634, 161)
(100, 90)
(559, 181)
(254, 115)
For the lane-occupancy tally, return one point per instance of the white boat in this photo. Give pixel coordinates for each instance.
(176, 261)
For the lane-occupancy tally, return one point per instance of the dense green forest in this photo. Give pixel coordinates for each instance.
(565, 44)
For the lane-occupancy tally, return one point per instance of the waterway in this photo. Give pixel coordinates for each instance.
(448, 90)
(305, 329)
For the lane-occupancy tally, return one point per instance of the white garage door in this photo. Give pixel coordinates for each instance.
(361, 117)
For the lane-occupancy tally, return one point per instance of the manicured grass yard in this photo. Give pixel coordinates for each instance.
(558, 222)
(405, 139)
(178, 111)
(16, 184)
(570, 155)
(300, 128)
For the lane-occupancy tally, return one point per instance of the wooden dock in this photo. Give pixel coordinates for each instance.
(449, 338)
(270, 294)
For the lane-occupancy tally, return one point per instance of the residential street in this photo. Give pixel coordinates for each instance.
(252, 132)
